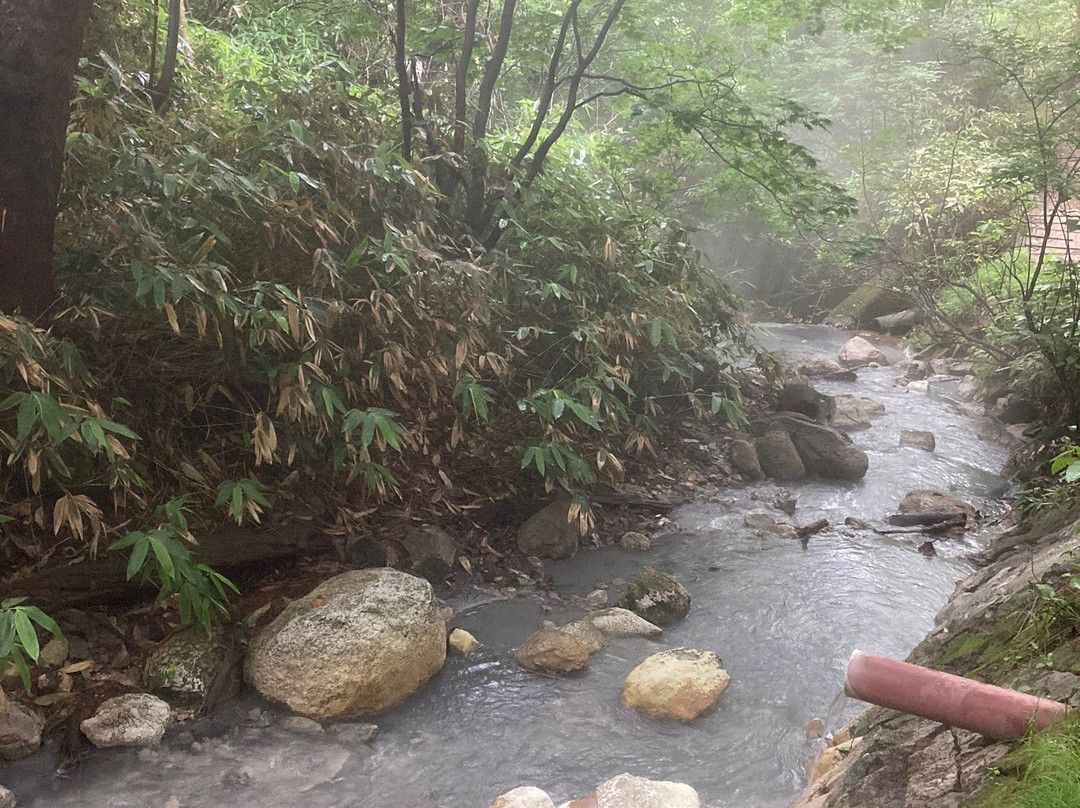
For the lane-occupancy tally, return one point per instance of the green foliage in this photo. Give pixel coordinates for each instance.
(18, 635)
(162, 556)
(244, 496)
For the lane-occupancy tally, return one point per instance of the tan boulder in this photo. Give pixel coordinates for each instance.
(681, 683)
(553, 650)
(355, 645)
(628, 791)
(858, 352)
(523, 797)
(462, 642)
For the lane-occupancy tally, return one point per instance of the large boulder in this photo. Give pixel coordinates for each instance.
(189, 667)
(553, 650)
(936, 502)
(819, 367)
(134, 719)
(523, 797)
(858, 352)
(779, 458)
(355, 645)
(824, 451)
(681, 683)
(20, 731)
(628, 791)
(550, 533)
(657, 597)
(799, 397)
(918, 439)
(744, 460)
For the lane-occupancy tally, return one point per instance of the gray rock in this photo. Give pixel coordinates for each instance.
(356, 644)
(759, 521)
(802, 398)
(523, 797)
(854, 413)
(925, 501)
(657, 597)
(585, 632)
(134, 719)
(632, 540)
(7, 799)
(918, 439)
(20, 731)
(744, 460)
(825, 452)
(54, 653)
(779, 458)
(628, 791)
(618, 622)
(549, 533)
(354, 734)
(432, 551)
(819, 367)
(858, 352)
(299, 725)
(183, 668)
(553, 650)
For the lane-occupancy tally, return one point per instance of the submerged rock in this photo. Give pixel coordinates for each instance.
(553, 650)
(550, 533)
(858, 352)
(628, 791)
(523, 797)
(20, 731)
(681, 683)
(355, 645)
(134, 719)
(657, 597)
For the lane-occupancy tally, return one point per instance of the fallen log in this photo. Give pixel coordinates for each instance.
(812, 528)
(931, 518)
(103, 581)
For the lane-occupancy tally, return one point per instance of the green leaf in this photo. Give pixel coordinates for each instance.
(164, 559)
(137, 557)
(43, 620)
(27, 635)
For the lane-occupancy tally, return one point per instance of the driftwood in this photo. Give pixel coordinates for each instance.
(926, 519)
(812, 528)
(104, 581)
(957, 521)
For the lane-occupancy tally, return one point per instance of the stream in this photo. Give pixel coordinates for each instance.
(783, 617)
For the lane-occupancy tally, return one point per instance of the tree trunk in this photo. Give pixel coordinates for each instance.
(39, 47)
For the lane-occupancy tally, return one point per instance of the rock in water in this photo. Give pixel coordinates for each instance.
(7, 799)
(553, 650)
(657, 597)
(355, 645)
(778, 456)
(824, 451)
(854, 413)
(681, 683)
(628, 791)
(918, 439)
(462, 642)
(925, 502)
(633, 540)
(858, 352)
(523, 797)
(616, 622)
(134, 719)
(550, 533)
(20, 731)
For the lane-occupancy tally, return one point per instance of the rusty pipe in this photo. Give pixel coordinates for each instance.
(989, 710)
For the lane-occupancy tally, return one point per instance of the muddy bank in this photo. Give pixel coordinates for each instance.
(1009, 623)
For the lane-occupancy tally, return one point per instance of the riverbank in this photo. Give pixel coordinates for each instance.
(1013, 622)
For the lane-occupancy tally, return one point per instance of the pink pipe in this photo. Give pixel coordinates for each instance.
(989, 710)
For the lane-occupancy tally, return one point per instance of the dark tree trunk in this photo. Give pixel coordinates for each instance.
(39, 47)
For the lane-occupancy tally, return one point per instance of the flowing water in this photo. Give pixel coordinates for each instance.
(783, 617)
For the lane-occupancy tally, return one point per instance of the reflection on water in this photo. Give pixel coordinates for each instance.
(783, 617)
